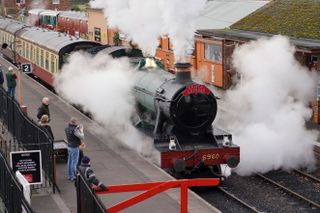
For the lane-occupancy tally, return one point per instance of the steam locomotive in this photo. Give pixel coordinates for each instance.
(181, 112)
(177, 110)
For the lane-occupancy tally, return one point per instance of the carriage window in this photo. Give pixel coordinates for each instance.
(47, 61)
(28, 51)
(56, 60)
(23, 49)
(37, 56)
(212, 52)
(31, 52)
(52, 63)
(41, 58)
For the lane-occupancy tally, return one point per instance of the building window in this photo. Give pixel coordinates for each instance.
(212, 73)
(212, 52)
(97, 34)
(170, 46)
(55, 1)
(314, 59)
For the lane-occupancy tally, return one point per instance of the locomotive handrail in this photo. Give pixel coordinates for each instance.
(154, 188)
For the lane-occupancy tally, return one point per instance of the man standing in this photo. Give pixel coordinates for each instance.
(44, 108)
(11, 82)
(74, 134)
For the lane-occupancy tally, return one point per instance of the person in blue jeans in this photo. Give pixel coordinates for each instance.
(74, 134)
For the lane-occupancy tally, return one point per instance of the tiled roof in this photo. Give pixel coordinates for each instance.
(219, 14)
(294, 18)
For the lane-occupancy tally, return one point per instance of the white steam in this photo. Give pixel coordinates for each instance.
(35, 4)
(270, 107)
(102, 85)
(145, 21)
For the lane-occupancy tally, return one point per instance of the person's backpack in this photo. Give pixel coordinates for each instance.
(1, 77)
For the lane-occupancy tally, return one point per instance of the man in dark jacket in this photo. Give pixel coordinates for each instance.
(11, 82)
(88, 173)
(74, 134)
(44, 108)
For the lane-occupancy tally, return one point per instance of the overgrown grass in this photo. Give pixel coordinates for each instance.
(295, 18)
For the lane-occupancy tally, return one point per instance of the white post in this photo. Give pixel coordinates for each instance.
(26, 186)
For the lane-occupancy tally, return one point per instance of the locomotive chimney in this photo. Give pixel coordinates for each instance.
(183, 72)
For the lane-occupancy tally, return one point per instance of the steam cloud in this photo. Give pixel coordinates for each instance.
(35, 4)
(103, 85)
(145, 21)
(270, 107)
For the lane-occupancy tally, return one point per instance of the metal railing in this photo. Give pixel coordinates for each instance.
(11, 191)
(87, 200)
(25, 134)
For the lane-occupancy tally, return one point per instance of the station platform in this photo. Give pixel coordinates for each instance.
(113, 164)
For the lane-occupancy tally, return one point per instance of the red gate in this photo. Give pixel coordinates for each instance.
(155, 188)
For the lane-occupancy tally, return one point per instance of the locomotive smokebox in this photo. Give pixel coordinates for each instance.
(183, 72)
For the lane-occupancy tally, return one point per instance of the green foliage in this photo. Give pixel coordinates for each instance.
(79, 7)
(294, 18)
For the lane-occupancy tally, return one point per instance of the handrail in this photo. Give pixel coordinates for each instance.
(154, 188)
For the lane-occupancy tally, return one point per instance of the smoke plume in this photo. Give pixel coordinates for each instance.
(35, 4)
(102, 86)
(144, 21)
(270, 107)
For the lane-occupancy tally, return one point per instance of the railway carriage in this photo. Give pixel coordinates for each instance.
(46, 50)
(73, 23)
(48, 19)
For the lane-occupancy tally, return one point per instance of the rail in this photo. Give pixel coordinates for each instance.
(11, 192)
(88, 199)
(25, 134)
(154, 188)
(289, 190)
(251, 208)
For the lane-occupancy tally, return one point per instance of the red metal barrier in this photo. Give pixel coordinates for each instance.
(155, 188)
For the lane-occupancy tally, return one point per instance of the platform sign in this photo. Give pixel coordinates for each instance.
(26, 68)
(29, 164)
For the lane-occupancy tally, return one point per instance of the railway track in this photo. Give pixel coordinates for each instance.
(225, 200)
(238, 200)
(298, 184)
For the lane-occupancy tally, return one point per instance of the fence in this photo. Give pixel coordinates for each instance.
(11, 191)
(25, 135)
(87, 200)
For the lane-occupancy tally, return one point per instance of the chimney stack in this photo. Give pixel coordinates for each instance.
(183, 72)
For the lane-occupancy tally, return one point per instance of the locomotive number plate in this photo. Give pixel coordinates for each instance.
(210, 157)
